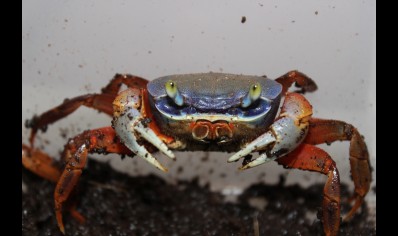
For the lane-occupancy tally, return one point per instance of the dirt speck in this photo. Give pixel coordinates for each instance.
(205, 157)
(64, 132)
(316, 12)
(180, 169)
(243, 20)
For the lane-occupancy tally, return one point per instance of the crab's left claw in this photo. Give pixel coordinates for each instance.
(284, 135)
(131, 126)
(261, 141)
(263, 158)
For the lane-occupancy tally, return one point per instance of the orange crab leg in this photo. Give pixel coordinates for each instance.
(301, 80)
(328, 131)
(40, 163)
(103, 140)
(308, 157)
(130, 81)
(101, 102)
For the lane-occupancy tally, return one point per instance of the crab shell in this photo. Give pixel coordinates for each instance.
(212, 113)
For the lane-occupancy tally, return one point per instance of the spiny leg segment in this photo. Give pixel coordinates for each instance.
(309, 157)
(300, 80)
(102, 140)
(328, 131)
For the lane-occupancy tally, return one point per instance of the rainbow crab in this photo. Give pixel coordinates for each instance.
(201, 112)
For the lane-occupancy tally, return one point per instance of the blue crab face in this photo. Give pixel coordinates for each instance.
(250, 102)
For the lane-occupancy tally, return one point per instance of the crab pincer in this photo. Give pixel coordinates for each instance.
(131, 126)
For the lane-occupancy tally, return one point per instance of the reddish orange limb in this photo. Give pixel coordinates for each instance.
(130, 81)
(328, 131)
(302, 81)
(103, 140)
(75, 214)
(40, 163)
(308, 157)
(46, 167)
(101, 102)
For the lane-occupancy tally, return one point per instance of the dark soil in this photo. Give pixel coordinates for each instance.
(116, 204)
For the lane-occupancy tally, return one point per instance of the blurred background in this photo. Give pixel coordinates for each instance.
(75, 47)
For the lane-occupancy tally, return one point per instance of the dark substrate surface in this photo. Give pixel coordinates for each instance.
(117, 204)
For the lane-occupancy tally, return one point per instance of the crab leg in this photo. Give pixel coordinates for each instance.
(40, 163)
(101, 102)
(285, 134)
(301, 80)
(132, 126)
(130, 81)
(308, 157)
(102, 140)
(328, 131)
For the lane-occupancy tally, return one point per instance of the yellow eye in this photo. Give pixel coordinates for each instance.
(253, 94)
(173, 93)
(255, 91)
(171, 89)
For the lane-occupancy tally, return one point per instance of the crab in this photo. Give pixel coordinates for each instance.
(238, 114)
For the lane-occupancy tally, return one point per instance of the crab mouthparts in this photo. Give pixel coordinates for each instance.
(206, 131)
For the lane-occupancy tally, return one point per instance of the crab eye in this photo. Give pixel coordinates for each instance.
(173, 93)
(253, 94)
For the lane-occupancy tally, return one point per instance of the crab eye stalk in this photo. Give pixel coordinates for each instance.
(253, 94)
(173, 93)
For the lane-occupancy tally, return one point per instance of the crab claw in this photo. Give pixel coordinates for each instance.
(127, 127)
(131, 126)
(259, 142)
(258, 161)
(284, 135)
(151, 137)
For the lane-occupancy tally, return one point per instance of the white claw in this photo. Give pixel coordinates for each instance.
(143, 153)
(259, 142)
(258, 161)
(125, 127)
(151, 137)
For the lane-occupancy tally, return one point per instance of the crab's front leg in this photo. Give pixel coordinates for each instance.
(134, 124)
(311, 158)
(328, 131)
(101, 140)
(284, 135)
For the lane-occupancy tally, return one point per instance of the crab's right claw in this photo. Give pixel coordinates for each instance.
(128, 129)
(151, 137)
(131, 126)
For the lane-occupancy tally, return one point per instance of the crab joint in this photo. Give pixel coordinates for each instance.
(207, 131)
